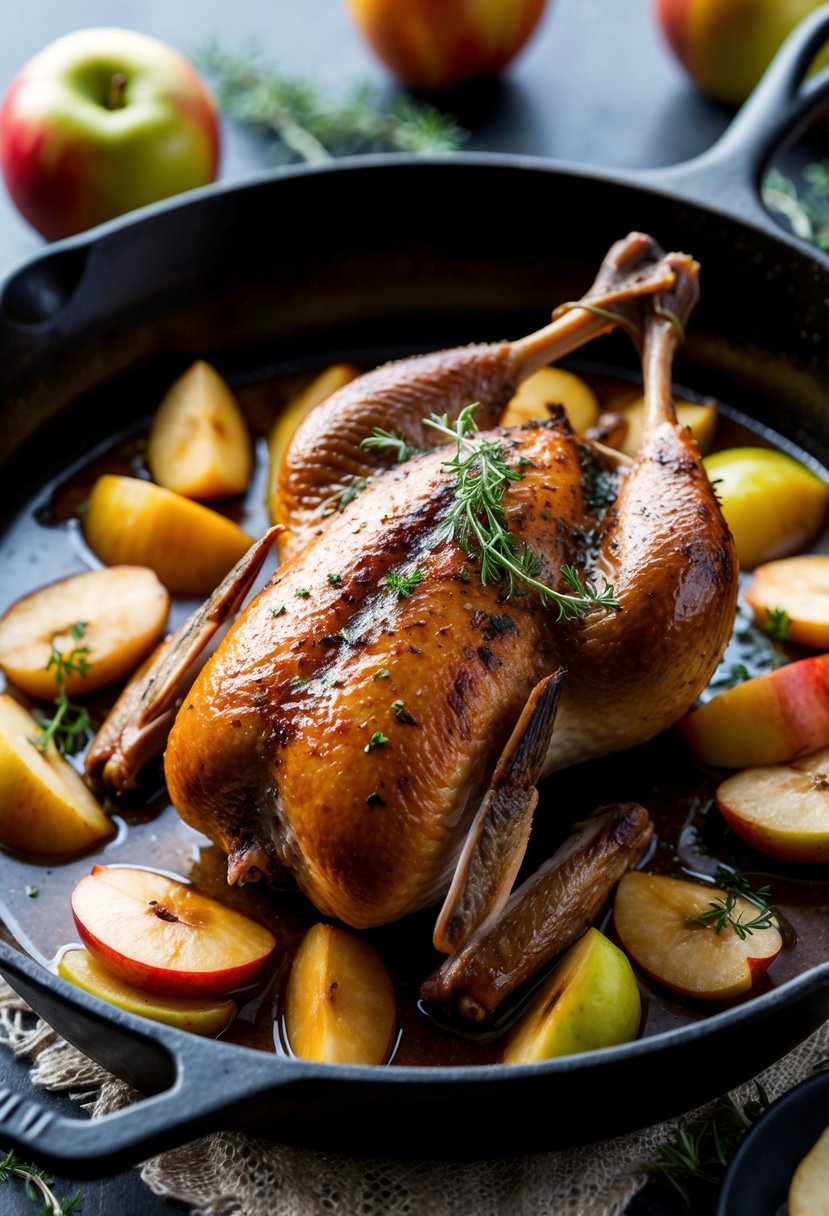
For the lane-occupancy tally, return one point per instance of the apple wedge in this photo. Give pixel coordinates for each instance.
(552, 386)
(204, 1017)
(199, 444)
(189, 546)
(123, 609)
(161, 935)
(319, 390)
(781, 809)
(590, 1000)
(809, 1187)
(44, 805)
(799, 588)
(340, 1005)
(769, 719)
(772, 503)
(657, 920)
(699, 417)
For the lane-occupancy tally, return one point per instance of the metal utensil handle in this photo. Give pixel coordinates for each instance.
(729, 175)
(210, 1084)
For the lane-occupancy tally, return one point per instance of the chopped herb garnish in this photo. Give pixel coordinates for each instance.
(31, 892)
(278, 611)
(331, 681)
(777, 624)
(387, 441)
(403, 584)
(503, 624)
(382, 674)
(335, 580)
(298, 681)
(69, 727)
(302, 593)
(339, 636)
(402, 714)
(340, 500)
(478, 519)
(378, 739)
(463, 575)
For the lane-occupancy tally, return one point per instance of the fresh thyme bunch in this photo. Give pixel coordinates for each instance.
(310, 126)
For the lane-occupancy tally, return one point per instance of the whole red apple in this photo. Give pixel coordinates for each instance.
(102, 121)
(726, 45)
(431, 44)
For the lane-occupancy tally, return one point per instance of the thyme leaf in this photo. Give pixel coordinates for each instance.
(69, 726)
(387, 441)
(478, 519)
(305, 124)
(403, 584)
(378, 739)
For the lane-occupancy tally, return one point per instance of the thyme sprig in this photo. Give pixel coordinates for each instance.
(720, 913)
(69, 726)
(386, 441)
(38, 1186)
(402, 584)
(307, 125)
(478, 520)
(701, 1153)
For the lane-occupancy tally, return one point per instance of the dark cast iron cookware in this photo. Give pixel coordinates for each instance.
(360, 258)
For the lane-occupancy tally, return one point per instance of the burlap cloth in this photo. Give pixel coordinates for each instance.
(228, 1174)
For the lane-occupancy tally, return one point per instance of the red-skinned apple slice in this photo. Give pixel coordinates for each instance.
(160, 934)
(781, 809)
(767, 720)
(656, 919)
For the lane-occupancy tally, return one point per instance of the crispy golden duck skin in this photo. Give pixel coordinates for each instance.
(289, 751)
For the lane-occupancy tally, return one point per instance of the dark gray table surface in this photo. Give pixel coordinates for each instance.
(596, 85)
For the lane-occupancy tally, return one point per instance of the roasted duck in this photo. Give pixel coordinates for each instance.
(375, 723)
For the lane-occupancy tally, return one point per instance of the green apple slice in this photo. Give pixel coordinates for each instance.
(204, 1017)
(590, 1000)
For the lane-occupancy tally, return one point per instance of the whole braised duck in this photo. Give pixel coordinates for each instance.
(461, 609)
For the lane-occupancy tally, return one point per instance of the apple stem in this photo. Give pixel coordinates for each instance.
(117, 84)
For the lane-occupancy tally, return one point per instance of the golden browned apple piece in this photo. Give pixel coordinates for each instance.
(384, 689)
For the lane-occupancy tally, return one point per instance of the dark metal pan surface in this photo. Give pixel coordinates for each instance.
(379, 254)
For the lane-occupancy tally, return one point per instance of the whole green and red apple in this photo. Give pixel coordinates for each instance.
(726, 45)
(432, 44)
(100, 122)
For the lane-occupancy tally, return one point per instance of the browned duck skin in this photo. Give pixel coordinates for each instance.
(545, 915)
(324, 460)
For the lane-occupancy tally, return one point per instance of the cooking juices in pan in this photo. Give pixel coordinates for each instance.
(45, 542)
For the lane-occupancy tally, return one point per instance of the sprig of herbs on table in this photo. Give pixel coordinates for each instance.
(38, 1187)
(308, 125)
(69, 726)
(807, 211)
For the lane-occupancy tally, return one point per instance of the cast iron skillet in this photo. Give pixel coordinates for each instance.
(384, 254)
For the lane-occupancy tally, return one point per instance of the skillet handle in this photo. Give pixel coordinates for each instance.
(729, 175)
(205, 1085)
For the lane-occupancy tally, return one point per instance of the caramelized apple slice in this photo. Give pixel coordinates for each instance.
(552, 386)
(781, 809)
(44, 805)
(204, 1017)
(656, 919)
(766, 720)
(190, 547)
(199, 445)
(339, 1005)
(772, 503)
(320, 388)
(809, 1189)
(123, 610)
(160, 934)
(699, 417)
(590, 1000)
(798, 587)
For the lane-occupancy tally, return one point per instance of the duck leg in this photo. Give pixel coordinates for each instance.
(137, 726)
(325, 461)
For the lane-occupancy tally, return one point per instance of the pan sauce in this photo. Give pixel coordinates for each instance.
(45, 542)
